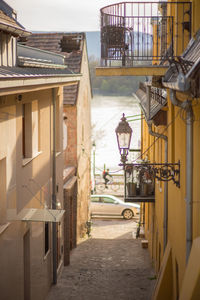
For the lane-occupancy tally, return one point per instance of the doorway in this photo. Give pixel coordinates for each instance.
(26, 246)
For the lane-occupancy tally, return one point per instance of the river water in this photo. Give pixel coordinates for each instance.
(106, 112)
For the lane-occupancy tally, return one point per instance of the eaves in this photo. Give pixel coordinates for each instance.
(16, 85)
(14, 30)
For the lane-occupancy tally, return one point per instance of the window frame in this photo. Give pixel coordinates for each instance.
(30, 131)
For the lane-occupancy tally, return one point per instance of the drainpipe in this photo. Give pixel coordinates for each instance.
(165, 138)
(187, 106)
(54, 231)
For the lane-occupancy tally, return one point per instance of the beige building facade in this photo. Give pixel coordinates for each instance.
(25, 246)
(32, 211)
(76, 127)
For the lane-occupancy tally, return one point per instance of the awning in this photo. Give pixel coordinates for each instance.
(184, 70)
(158, 100)
(70, 183)
(35, 215)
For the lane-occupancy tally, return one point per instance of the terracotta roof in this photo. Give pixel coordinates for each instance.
(70, 94)
(68, 44)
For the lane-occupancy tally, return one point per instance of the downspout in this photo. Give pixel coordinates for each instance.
(187, 106)
(165, 138)
(54, 231)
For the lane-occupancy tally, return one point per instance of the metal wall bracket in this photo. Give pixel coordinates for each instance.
(168, 172)
(161, 171)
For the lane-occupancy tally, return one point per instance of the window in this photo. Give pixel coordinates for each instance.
(96, 199)
(7, 50)
(46, 246)
(108, 200)
(30, 128)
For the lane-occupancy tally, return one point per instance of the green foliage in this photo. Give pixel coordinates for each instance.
(117, 86)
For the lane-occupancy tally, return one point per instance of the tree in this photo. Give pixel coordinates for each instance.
(117, 86)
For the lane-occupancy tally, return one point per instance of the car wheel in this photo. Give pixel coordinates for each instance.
(127, 214)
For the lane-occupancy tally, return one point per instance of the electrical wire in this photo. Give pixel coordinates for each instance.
(157, 138)
(111, 172)
(100, 127)
(136, 120)
(138, 115)
(180, 112)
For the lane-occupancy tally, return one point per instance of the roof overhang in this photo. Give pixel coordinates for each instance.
(155, 109)
(14, 30)
(23, 85)
(36, 215)
(132, 71)
(183, 81)
(184, 72)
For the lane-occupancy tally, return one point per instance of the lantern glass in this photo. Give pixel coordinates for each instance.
(123, 140)
(124, 133)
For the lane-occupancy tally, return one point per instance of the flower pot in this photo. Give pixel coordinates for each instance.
(144, 189)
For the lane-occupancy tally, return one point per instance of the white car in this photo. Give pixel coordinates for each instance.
(112, 206)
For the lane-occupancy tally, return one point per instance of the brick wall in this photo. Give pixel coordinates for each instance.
(70, 153)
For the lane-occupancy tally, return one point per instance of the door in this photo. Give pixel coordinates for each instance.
(26, 246)
(110, 206)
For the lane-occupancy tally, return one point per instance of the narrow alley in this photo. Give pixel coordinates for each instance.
(110, 265)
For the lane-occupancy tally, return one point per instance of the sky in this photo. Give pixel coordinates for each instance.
(60, 15)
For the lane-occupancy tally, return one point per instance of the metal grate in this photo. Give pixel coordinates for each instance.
(141, 32)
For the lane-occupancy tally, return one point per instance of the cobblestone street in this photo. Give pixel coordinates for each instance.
(109, 265)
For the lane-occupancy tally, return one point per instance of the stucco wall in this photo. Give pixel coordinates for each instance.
(176, 133)
(28, 185)
(79, 142)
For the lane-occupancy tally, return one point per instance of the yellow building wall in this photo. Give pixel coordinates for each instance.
(196, 189)
(176, 133)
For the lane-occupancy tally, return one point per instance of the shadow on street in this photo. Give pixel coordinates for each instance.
(110, 265)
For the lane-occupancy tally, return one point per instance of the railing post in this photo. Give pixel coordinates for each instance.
(119, 21)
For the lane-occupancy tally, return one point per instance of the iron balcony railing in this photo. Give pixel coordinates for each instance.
(138, 32)
(157, 94)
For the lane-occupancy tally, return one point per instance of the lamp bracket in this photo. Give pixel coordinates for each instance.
(161, 171)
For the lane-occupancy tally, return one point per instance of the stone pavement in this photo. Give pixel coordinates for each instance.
(109, 265)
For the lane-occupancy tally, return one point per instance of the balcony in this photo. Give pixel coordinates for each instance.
(153, 108)
(143, 36)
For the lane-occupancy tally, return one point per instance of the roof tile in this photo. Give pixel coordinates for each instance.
(68, 44)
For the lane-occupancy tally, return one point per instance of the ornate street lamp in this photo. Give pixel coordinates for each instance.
(124, 133)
